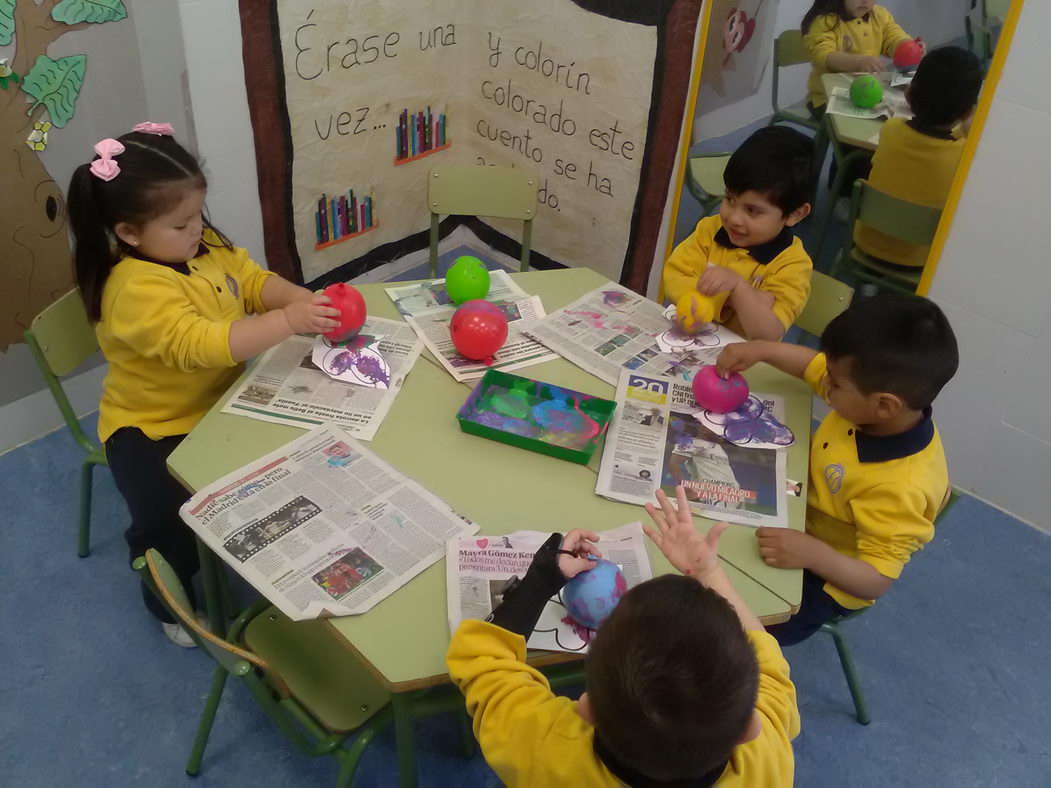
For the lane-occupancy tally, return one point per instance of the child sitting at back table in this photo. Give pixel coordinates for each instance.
(752, 270)
(878, 476)
(684, 687)
(847, 35)
(916, 159)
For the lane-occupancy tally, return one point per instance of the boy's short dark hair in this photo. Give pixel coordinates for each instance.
(776, 161)
(672, 679)
(901, 344)
(946, 86)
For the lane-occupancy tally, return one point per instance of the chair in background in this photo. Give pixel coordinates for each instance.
(318, 695)
(473, 190)
(828, 298)
(982, 24)
(901, 220)
(789, 50)
(61, 338)
(704, 180)
(846, 660)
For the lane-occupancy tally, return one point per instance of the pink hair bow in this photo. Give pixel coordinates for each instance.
(149, 127)
(105, 167)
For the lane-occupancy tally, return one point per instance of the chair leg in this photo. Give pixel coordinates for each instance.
(463, 722)
(85, 509)
(204, 727)
(850, 672)
(348, 758)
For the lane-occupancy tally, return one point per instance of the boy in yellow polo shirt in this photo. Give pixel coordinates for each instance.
(878, 476)
(684, 686)
(751, 270)
(917, 159)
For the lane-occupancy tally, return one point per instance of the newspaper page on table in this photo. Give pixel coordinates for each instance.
(478, 569)
(287, 387)
(428, 309)
(322, 526)
(612, 329)
(660, 439)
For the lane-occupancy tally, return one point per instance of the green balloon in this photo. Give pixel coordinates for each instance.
(866, 91)
(467, 279)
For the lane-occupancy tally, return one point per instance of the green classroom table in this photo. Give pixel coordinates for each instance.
(501, 488)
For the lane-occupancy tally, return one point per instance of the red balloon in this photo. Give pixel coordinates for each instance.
(478, 329)
(351, 305)
(908, 54)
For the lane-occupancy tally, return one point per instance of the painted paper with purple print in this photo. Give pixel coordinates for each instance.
(357, 361)
(751, 425)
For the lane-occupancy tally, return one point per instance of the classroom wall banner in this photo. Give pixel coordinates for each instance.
(353, 102)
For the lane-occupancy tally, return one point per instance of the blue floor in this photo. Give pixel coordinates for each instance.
(954, 662)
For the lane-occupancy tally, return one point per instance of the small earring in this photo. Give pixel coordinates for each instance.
(134, 243)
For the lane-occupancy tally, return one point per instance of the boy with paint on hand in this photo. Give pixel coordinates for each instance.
(751, 272)
(878, 476)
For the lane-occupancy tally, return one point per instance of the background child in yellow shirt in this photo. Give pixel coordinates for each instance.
(917, 159)
(847, 35)
(752, 271)
(684, 686)
(878, 476)
(171, 299)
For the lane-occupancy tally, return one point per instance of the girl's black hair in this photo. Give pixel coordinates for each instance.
(824, 8)
(155, 173)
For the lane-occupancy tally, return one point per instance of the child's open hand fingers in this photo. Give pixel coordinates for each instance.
(713, 535)
(682, 513)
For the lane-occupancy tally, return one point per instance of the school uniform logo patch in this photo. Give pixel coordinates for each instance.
(232, 284)
(834, 477)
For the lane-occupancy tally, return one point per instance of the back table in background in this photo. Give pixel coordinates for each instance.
(500, 487)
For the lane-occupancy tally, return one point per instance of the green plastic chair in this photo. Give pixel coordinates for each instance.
(704, 179)
(904, 221)
(317, 695)
(828, 298)
(982, 24)
(61, 338)
(472, 190)
(789, 50)
(846, 660)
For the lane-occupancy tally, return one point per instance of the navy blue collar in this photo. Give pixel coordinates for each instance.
(930, 131)
(763, 253)
(635, 779)
(182, 268)
(884, 448)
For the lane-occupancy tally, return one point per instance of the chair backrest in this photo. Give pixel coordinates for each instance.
(828, 298)
(60, 339)
(905, 221)
(162, 580)
(473, 190)
(789, 49)
(64, 334)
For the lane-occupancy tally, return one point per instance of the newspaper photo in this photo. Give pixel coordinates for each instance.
(613, 329)
(660, 439)
(478, 569)
(322, 526)
(286, 385)
(428, 310)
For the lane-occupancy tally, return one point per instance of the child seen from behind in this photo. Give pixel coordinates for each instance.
(916, 159)
(684, 688)
(177, 309)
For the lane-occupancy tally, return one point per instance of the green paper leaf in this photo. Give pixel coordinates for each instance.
(73, 12)
(7, 21)
(56, 85)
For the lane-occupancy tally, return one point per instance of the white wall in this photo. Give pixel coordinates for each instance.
(993, 282)
(936, 21)
(211, 32)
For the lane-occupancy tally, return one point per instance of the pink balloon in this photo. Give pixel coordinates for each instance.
(351, 305)
(718, 394)
(478, 329)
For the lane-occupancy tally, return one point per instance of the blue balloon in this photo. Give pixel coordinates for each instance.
(591, 596)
